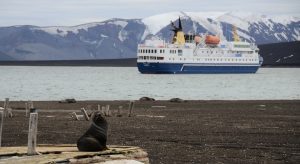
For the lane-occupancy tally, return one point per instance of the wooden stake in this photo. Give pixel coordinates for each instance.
(1, 124)
(119, 111)
(32, 134)
(131, 106)
(9, 112)
(103, 110)
(99, 108)
(107, 112)
(30, 103)
(26, 109)
(6, 105)
(85, 114)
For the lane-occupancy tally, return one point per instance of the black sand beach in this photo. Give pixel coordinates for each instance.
(186, 132)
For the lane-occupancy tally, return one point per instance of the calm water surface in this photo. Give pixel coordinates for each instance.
(123, 83)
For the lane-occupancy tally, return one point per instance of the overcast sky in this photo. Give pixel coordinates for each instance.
(74, 12)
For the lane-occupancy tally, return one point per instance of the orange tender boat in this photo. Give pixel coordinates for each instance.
(210, 39)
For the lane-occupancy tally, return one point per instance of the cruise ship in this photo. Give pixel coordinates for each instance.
(193, 54)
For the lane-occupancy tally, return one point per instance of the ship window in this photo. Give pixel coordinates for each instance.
(179, 52)
(160, 58)
(160, 51)
(155, 51)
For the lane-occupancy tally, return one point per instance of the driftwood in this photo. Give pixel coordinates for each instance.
(76, 117)
(86, 116)
(70, 154)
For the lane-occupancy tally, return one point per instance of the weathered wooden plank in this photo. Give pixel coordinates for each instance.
(32, 134)
(85, 114)
(70, 154)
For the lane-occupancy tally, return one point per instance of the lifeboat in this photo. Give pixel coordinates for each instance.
(210, 39)
(197, 39)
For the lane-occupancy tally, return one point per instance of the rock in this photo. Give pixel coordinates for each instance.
(147, 99)
(68, 101)
(177, 100)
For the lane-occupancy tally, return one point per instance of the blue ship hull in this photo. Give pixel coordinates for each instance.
(180, 68)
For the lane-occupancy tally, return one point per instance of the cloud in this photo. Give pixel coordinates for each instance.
(73, 12)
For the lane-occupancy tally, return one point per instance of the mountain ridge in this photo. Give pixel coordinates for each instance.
(117, 38)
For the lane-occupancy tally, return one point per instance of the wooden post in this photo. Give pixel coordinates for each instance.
(99, 108)
(26, 109)
(103, 110)
(119, 111)
(85, 114)
(89, 107)
(107, 112)
(9, 112)
(30, 104)
(32, 134)
(6, 105)
(131, 106)
(1, 124)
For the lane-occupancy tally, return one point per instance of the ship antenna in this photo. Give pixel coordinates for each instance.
(180, 26)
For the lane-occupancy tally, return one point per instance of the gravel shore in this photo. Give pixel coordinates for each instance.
(185, 132)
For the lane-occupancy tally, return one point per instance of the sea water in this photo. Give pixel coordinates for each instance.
(126, 83)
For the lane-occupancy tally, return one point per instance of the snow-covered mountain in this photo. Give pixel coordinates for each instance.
(118, 38)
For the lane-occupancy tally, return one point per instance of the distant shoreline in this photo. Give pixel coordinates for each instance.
(128, 62)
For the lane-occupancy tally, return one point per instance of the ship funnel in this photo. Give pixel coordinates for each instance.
(178, 37)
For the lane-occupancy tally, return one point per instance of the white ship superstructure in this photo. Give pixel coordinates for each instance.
(194, 54)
